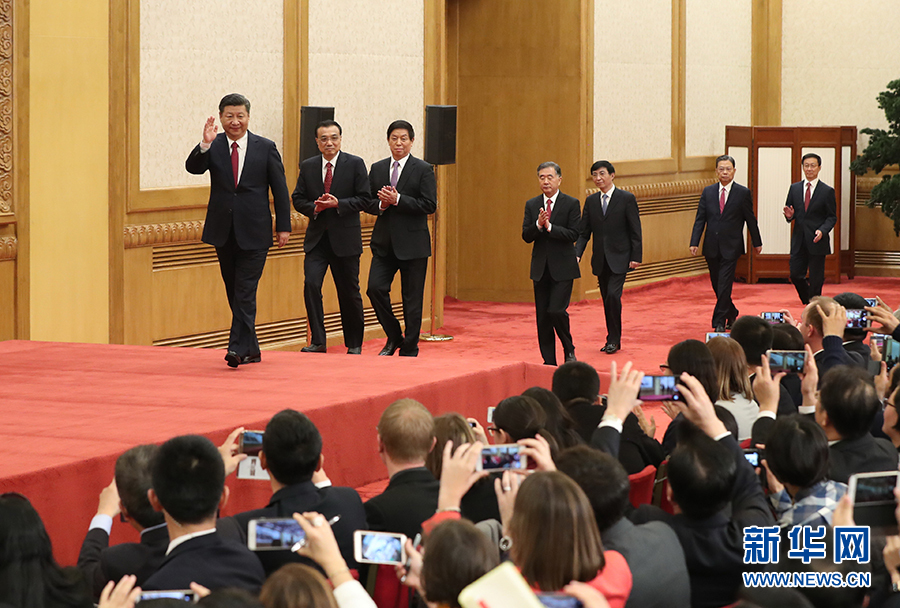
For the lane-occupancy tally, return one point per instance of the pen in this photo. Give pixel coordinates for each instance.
(302, 542)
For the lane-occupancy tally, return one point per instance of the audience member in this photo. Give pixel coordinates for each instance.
(520, 417)
(822, 325)
(755, 335)
(692, 357)
(297, 586)
(227, 598)
(125, 496)
(735, 390)
(405, 436)
(891, 426)
(859, 352)
(787, 337)
(188, 479)
(560, 424)
(292, 453)
(652, 550)
(29, 575)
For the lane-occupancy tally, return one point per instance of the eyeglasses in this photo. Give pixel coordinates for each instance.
(493, 430)
(664, 368)
(325, 139)
(809, 166)
(886, 403)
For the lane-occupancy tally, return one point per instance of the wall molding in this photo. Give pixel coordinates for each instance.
(6, 106)
(9, 248)
(666, 197)
(657, 271)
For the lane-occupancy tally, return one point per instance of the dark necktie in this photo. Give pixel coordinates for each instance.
(722, 201)
(234, 161)
(605, 200)
(395, 174)
(328, 177)
(807, 197)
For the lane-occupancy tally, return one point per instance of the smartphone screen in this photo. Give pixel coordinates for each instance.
(890, 352)
(752, 456)
(559, 600)
(790, 361)
(251, 443)
(273, 534)
(877, 340)
(873, 498)
(502, 457)
(659, 388)
(181, 595)
(857, 318)
(490, 415)
(717, 334)
(379, 547)
(871, 301)
(773, 317)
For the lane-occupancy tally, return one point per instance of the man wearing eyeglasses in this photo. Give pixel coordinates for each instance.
(332, 188)
(811, 203)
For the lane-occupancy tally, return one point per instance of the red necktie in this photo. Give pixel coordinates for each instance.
(234, 161)
(807, 197)
(549, 206)
(722, 201)
(328, 177)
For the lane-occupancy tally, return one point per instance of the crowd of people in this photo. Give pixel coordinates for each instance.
(567, 524)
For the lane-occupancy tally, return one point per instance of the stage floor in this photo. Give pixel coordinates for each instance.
(69, 410)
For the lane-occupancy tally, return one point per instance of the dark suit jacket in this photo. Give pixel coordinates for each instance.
(350, 185)
(102, 563)
(714, 547)
(409, 499)
(725, 231)
(635, 449)
(654, 555)
(860, 353)
(864, 455)
(247, 206)
(821, 215)
(301, 498)
(210, 561)
(554, 249)
(617, 235)
(831, 355)
(404, 226)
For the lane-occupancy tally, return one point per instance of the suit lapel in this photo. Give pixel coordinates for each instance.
(318, 180)
(404, 175)
(248, 155)
(609, 204)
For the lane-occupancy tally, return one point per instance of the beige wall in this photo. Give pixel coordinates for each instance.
(68, 122)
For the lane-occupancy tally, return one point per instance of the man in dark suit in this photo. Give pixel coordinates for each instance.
(188, 477)
(723, 210)
(404, 194)
(405, 436)
(611, 216)
(292, 454)
(242, 167)
(551, 223)
(811, 203)
(332, 189)
(125, 496)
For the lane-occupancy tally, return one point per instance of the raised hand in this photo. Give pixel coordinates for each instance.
(209, 130)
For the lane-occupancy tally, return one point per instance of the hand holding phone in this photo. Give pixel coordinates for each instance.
(371, 547)
(874, 502)
(790, 361)
(503, 457)
(659, 388)
(250, 443)
(773, 317)
(274, 534)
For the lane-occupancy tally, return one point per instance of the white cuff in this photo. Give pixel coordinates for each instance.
(806, 409)
(104, 522)
(549, 226)
(324, 484)
(722, 436)
(610, 421)
(204, 147)
(766, 414)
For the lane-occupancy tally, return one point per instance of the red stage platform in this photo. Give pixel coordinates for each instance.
(69, 410)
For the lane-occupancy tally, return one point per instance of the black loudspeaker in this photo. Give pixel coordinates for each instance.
(440, 135)
(310, 116)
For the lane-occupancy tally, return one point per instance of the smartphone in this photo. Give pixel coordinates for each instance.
(502, 458)
(559, 600)
(873, 498)
(857, 318)
(659, 388)
(490, 416)
(181, 595)
(250, 443)
(717, 334)
(790, 361)
(871, 301)
(773, 317)
(379, 547)
(890, 352)
(273, 534)
(877, 340)
(753, 456)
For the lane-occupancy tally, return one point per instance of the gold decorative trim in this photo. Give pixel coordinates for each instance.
(9, 248)
(864, 187)
(655, 271)
(666, 197)
(877, 258)
(6, 106)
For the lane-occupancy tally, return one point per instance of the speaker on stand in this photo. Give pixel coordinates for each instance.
(310, 116)
(440, 149)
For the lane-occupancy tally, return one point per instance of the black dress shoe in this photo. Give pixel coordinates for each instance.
(570, 357)
(251, 359)
(409, 353)
(389, 349)
(354, 350)
(314, 348)
(232, 359)
(611, 348)
(719, 328)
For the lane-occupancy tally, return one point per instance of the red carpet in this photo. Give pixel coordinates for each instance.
(70, 409)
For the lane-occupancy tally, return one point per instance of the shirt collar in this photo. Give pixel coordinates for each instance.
(333, 161)
(552, 198)
(183, 539)
(402, 162)
(152, 528)
(242, 142)
(608, 194)
(813, 183)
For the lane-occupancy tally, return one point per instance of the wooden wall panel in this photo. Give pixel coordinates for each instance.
(7, 299)
(878, 253)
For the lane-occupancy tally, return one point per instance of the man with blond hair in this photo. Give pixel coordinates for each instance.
(822, 325)
(405, 436)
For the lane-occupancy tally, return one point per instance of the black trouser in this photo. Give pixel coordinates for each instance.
(721, 275)
(551, 299)
(800, 261)
(345, 272)
(412, 290)
(611, 285)
(241, 270)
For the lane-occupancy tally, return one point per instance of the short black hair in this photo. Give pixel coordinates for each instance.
(811, 155)
(797, 451)
(457, 555)
(603, 164)
(188, 477)
(754, 334)
(401, 124)
(328, 122)
(701, 473)
(726, 157)
(133, 481)
(850, 300)
(603, 479)
(292, 445)
(576, 380)
(550, 165)
(234, 99)
(786, 337)
(848, 396)
(694, 357)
